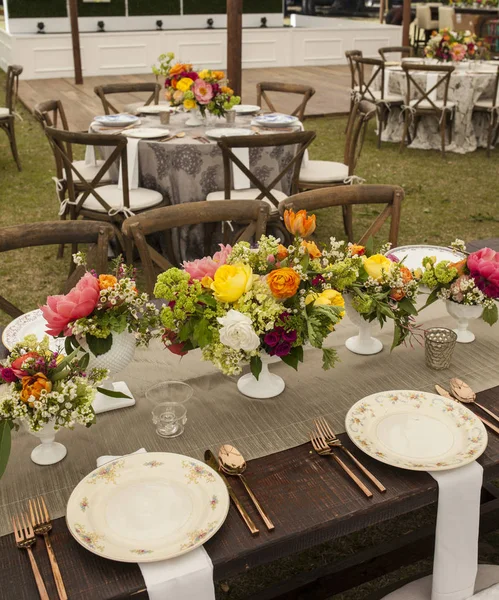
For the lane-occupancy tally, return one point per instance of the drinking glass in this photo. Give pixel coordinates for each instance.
(164, 117)
(439, 346)
(169, 391)
(230, 116)
(170, 419)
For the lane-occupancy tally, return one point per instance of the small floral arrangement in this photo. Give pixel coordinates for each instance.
(245, 301)
(473, 281)
(205, 90)
(98, 306)
(446, 45)
(43, 387)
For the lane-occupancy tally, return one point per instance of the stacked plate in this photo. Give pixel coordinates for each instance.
(275, 121)
(119, 120)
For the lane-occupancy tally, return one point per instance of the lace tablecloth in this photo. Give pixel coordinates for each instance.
(469, 131)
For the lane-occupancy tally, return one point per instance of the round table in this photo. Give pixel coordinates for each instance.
(466, 87)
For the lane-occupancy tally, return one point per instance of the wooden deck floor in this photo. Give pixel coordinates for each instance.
(332, 85)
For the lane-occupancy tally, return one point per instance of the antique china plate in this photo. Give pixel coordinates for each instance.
(30, 323)
(155, 109)
(275, 120)
(120, 120)
(227, 132)
(413, 255)
(246, 109)
(146, 133)
(417, 431)
(147, 507)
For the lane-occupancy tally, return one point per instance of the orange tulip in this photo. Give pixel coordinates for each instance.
(299, 223)
(460, 266)
(312, 249)
(283, 283)
(357, 250)
(282, 252)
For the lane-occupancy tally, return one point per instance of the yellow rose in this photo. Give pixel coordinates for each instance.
(327, 298)
(204, 74)
(206, 281)
(231, 282)
(189, 104)
(377, 266)
(185, 84)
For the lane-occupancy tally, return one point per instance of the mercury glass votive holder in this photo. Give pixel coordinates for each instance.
(230, 117)
(439, 347)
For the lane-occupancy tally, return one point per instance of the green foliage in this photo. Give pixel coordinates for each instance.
(490, 314)
(329, 358)
(112, 393)
(154, 7)
(320, 321)
(97, 345)
(5, 443)
(256, 366)
(294, 357)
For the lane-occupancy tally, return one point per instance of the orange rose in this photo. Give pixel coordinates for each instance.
(33, 386)
(283, 283)
(397, 294)
(227, 90)
(299, 223)
(460, 266)
(282, 252)
(107, 281)
(357, 250)
(180, 68)
(218, 75)
(312, 249)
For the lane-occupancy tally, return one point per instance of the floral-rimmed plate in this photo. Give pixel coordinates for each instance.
(414, 430)
(275, 120)
(147, 507)
(146, 133)
(227, 132)
(30, 323)
(246, 109)
(413, 255)
(119, 120)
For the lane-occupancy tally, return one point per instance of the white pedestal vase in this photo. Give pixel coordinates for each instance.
(362, 343)
(268, 385)
(463, 314)
(195, 119)
(49, 451)
(116, 359)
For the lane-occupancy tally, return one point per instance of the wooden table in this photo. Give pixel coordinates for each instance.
(310, 502)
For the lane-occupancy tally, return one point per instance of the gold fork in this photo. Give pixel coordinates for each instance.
(25, 538)
(40, 520)
(320, 446)
(331, 440)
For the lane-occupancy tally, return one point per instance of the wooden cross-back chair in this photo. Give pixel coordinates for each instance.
(383, 101)
(354, 83)
(424, 104)
(490, 107)
(7, 113)
(404, 51)
(264, 87)
(102, 91)
(100, 202)
(98, 235)
(253, 214)
(352, 195)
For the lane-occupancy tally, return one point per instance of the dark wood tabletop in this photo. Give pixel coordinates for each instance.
(306, 495)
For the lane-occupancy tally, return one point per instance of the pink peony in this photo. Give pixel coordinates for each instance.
(203, 91)
(78, 303)
(207, 266)
(484, 268)
(458, 52)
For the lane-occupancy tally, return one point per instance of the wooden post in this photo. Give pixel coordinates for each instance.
(381, 11)
(235, 44)
(75, 36)
(406, 22)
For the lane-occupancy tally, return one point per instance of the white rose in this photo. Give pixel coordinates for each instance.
(237, 331)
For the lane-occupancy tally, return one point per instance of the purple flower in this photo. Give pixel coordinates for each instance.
(289, 336)
(8, 375)
(282, 349)
(215, 88)
(272, 339)
(317, 280)
(393, 258)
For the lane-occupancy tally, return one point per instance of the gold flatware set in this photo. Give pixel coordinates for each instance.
(26, 528)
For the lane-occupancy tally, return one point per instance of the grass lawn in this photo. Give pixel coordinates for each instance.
(445, 199)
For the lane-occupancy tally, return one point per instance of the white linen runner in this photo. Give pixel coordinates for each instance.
(386, 86)
(90, 160)
(187, 577)
(240, 181)
(431, 80)
(132, 150)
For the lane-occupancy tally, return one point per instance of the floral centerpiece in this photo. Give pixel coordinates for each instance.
(469, 286)
(446, 45)
(46, 392)
(203, 90)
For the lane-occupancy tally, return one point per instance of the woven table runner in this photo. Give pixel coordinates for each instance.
(219, 414)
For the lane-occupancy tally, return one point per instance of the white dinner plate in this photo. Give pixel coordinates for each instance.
(413, 255)
(246, 109)
(120, 120)
(155, 109)
(275, 120)
(147, 507)
(146, 133)
(227, 132)
(30, 323)
(418, 431)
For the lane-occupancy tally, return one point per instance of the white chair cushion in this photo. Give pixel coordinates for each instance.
(485, 103)
(89, 172)
(388, 97)
(4, 112)
(140, 198)
(427, 104)
(323, 171)
(248, 194)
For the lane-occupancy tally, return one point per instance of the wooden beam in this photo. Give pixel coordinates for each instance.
(381, 11)
(75, 37)
(235, 44)
(406, 22)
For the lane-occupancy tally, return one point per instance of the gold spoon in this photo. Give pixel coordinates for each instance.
(443, 392)
(464, 393)
(180, 134)
(232, 463)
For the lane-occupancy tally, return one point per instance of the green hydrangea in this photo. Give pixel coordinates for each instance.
(363, 305)
(444, 273)
(342, 274)
(173, 286)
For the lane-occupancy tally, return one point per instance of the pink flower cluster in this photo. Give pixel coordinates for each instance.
(483, 266)
(207, 266)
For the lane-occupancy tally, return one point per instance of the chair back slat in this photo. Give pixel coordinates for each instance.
(12, 86)
(363, 112)
(405, 51)
(284, 88)
(444, 73)
(349, 54)
(366, 85)
(51, 114)
(352, 195)
(97, 235)
(102, 91)
(251, 213)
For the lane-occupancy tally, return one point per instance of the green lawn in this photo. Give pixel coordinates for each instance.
(445, 199)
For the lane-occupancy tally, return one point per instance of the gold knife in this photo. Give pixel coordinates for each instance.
(211, 461)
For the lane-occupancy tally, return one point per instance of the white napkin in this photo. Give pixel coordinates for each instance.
(132, 152)
(455, 563)
(239, 180)
(431, 80)
(386, 87)
(187, 577)
(491, 593)
(90, 160)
